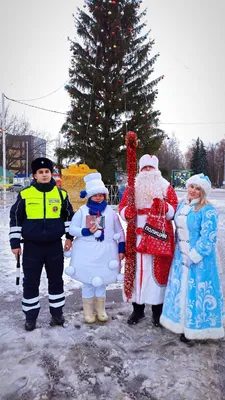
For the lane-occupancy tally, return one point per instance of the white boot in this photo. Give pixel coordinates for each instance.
(100, 309)
(88, 307)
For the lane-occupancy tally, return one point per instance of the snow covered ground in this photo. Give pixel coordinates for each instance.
(101, 361)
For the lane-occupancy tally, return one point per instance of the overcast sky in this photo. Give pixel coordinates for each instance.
(189, 35)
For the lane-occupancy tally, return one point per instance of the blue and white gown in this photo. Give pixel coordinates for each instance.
(193, 302)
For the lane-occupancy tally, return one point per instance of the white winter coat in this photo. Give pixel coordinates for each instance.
(92, 259)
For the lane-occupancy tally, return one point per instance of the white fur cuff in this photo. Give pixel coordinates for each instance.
(170, 212)
(75, 230)
(195, 256)
(122, 213)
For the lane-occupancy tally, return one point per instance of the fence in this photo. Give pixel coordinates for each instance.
(10, 198)
(113, 196)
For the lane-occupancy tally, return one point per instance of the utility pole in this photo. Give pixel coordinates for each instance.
(224, 168)
(3, 156)
(27, 160)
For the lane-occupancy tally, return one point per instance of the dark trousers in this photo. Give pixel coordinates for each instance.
(35, 256)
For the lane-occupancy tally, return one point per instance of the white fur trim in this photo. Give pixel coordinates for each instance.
(97, 190)
(181, 221)
(97, 281)
(113, 264)
(185, 209)
(93, 175)
(172, 326)
(120, 277)
(198, 334)
(97, 234)
(70, 270)
(148, 160)
(116, 236)
(182, 229)
(182, 234)
(184, 247)
(201, 181)
(67, 253)
(122, 214)
(74, 230)
(170, 212)
(201, 334)
(94, 185)
(195, 256)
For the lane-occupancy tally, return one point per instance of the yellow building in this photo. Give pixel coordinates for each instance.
(73, 183)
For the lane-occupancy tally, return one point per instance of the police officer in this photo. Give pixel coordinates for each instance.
(41, 215)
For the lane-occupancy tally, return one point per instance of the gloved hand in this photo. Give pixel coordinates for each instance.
(160, 206)
(86, 232)
(130, 212)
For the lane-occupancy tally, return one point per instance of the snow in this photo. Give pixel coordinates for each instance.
(101, 361)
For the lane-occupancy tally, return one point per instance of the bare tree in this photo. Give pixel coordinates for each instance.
(170, 156)
(17, 129)
(215, 158)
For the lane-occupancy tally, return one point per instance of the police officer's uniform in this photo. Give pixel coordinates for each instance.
(41, 215)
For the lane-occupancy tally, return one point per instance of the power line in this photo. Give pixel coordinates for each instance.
(192, 123)
(39, 108)
(49, 94)
(160, 123)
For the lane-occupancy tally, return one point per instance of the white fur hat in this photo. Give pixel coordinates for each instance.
(148, 160)
(94, 185)
(200, 180)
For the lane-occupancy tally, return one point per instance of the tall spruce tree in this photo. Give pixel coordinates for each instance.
(199, 158)
(110, 86)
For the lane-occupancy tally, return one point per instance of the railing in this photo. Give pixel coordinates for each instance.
(10, 198)
(113, 196)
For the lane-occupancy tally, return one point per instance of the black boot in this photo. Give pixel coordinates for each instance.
(30, 325)
(57, 320)
(137, 314)
(184, 339)
(156, 313)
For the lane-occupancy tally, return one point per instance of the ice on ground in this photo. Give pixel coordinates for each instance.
(101, 361)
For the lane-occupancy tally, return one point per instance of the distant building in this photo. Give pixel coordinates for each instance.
(21, 150)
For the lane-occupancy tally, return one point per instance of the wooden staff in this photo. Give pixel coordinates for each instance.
(130, 262)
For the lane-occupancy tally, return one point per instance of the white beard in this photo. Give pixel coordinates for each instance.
(148, 185)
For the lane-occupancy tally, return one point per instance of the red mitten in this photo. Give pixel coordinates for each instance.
(160, 206)
(130, 212)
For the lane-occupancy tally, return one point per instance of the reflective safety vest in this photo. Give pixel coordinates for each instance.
(43, 205)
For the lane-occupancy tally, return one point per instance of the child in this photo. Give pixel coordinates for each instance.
(41, 215)
(98, 249)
